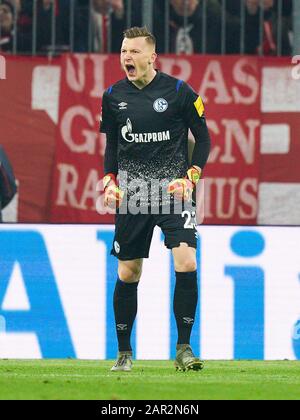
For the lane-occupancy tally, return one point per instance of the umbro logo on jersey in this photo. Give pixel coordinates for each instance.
(122, 105)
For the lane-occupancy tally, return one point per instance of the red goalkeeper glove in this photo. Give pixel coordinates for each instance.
(113, 196)
(183, 188)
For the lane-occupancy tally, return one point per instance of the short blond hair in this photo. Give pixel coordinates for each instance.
(142, 32)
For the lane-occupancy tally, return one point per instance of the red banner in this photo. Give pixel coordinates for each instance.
(230, 88)
(280, 110)
(28, 115)
(80, 146)
(252, 107)
(279, 192)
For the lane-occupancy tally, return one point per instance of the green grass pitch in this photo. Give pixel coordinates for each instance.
(150, 380)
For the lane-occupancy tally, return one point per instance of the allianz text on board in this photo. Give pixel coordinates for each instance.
(56, 285)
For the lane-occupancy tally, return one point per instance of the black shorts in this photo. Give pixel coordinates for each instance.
(134, 233)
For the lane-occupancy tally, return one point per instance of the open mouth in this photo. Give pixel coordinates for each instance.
(130, 70)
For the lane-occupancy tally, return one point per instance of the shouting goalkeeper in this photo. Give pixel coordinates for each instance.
(146, 118)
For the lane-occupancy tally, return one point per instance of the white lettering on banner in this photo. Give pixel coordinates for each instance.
(76, 76)
(246, 144)
(247, 80)
(215, 150)
(90, 191)
(181, 68)
(234, 130)
(232, 183)
(168, 65)
(238, 195)
(215, 80)
(90, 136)
(67, 185)
(248, 199)
(69, 189)
(76, 73)
(99, 72)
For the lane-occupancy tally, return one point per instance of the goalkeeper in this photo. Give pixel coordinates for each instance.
(146, 118)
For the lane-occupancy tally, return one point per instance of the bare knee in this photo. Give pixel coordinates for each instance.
(187, 266)
(185, 260)
(130, 272)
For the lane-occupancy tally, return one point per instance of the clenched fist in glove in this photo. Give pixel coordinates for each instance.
(113, 196)
(183, 188)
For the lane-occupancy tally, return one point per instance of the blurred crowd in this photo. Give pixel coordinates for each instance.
(187, 26)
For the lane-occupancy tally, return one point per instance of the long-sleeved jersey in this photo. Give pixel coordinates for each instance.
(147, 130)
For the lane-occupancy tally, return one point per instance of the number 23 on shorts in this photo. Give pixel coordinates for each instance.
(191, 222)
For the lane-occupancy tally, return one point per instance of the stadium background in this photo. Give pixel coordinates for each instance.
(56, 280)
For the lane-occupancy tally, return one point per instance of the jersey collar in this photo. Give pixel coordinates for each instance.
(153, 82)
